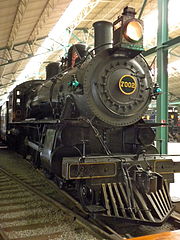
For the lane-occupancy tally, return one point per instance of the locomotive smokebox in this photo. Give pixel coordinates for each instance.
(103, 32)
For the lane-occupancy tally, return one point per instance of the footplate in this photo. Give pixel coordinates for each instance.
(139, 207)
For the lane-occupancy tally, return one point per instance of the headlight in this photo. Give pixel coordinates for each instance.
(133, 31)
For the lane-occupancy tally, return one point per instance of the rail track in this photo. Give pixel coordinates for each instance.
(34, 208)
(26, 213)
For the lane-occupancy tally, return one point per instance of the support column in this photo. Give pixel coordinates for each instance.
(162, 75)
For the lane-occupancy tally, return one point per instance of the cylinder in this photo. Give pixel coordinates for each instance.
(103, 32)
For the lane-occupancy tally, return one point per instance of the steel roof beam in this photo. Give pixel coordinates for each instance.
(9, 58)
(166, 45)
(17, 22)
(22, 58)
(22, 43)
(11, 73)
(142, 9)
(49, 7)
(174, 103)
(92, 4)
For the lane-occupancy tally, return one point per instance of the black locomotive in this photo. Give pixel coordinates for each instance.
(84, 125)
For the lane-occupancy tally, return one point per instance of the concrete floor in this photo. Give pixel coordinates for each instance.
(174, 148)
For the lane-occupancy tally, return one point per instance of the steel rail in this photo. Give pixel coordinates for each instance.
(86, 221)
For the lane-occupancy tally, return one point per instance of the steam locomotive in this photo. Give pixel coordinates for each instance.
(84, 125)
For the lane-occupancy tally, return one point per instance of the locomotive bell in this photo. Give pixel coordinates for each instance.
(52, 69)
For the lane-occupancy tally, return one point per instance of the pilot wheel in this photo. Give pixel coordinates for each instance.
(86, 194)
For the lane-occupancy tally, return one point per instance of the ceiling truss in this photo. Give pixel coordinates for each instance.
(9, 58)
(21, 9)
(19, 45)
(50, 6)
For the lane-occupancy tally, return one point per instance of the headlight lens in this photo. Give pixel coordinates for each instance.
(133, 31)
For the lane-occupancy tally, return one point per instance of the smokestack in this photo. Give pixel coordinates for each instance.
(103, 32)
